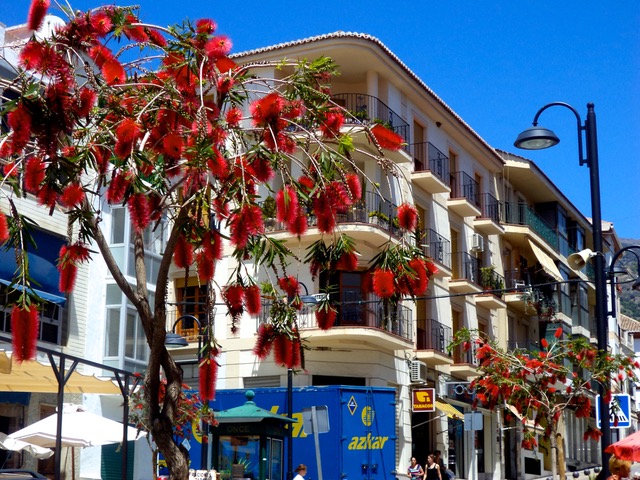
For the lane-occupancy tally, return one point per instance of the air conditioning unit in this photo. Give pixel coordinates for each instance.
(417, 371)
(477, 243)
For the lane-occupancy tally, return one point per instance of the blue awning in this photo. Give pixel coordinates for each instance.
(42, 257)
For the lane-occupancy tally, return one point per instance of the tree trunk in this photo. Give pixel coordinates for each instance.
(554, 451)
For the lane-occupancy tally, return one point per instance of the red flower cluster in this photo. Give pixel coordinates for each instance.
(69, 258)
(4, 228)
(287, 350)
(207, 376)
(326, 317)
(407, 217)
(386, 138)
(24, 331)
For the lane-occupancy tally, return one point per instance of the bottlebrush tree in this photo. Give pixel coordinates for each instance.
(108, 111)
(542, 384)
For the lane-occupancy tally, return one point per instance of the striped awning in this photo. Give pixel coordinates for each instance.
(548, 265)
(449, 410)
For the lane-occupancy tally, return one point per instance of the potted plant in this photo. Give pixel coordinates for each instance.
(378, 218)
(487, 277)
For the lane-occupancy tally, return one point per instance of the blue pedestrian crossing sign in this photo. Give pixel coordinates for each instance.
(619, 411)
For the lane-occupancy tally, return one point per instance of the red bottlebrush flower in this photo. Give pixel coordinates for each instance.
(286, 204)
(306, 183)
(234, 297)
(383, 283)
(128, 130)
(87, 101)
(290, 285)
(233, 117)
(431, 268)
(264, 342)
(4, 228)
(37, 12)
(172, 145)
(253, 300)
(225, 83)
(239, 230)
(407, 217)
(299, 225)
(72, 195)
(68, 273)
(34, 173)
(218, 165)
(218, 47)
(252, 216)
(19, 121)
(212, 245)
(101, 23)
(296, 354)
(100, 55)
(206, 266)
(10, 169)
(386, 138)
(183, 254)
(558, 333)
(355, 188)
(544, 343)
(32, 55)
(323, 209)
(47, 196)
(134, 32)
(205, 26)
(208, 374)
(118, 187)
(326, 317)
(262, 170)
(156, 37)
(113, 72)
(266, 109)
(24, 330)
(225, 64)
(348, 261)
(139, 211)
(332, 124)
(283, 351)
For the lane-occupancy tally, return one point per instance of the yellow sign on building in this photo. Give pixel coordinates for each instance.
(424, 400)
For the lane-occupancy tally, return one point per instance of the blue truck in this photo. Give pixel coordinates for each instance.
(361, 439)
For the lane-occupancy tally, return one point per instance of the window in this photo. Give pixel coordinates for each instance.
(191, 300)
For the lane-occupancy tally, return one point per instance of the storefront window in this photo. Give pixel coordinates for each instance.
(456, 447)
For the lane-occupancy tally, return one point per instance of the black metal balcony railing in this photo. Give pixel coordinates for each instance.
(527, 345)
(371, 209)
(491, 280)
(433, 336)
(460, 355)
(516, 279)
(439, 248)
(490, 207)
(468, 268)
(358, 314)
(428, 158)
(464, 186)
(366, 108)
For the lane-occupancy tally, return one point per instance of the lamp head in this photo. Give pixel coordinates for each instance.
(173, 340)
(536, 138)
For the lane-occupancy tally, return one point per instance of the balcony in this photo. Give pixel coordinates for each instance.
(488, 222)
(373, 216)
(362, 321)
(465, 364)
(432, 341)
(493, 285)
(439, 250)
(464, 200)
(431, 168)
(522, 214)
(368, 109)
(465, 274)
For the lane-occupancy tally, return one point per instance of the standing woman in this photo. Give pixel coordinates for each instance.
(433, 469)
(415, 471)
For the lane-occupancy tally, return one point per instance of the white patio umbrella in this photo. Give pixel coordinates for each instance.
(14, 445)
(79, 429)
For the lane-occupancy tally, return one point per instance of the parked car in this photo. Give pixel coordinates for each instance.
(15, 474)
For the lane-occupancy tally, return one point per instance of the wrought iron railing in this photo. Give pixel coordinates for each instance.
(491, 280)
(362, 313)
(370, 109)
(490, 207)
(433, 336)
(439, 248)
(427, 157)
(464, 186)
(372, 209)
(468, 268)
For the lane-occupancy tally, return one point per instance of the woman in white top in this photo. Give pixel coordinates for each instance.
(301, 471)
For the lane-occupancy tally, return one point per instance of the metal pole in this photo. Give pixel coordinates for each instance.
(290, 427)
(602, 320)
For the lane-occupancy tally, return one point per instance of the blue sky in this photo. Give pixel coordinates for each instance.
(494, 62)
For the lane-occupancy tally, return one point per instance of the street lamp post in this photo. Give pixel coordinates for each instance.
(175, 340)
(536, 138)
